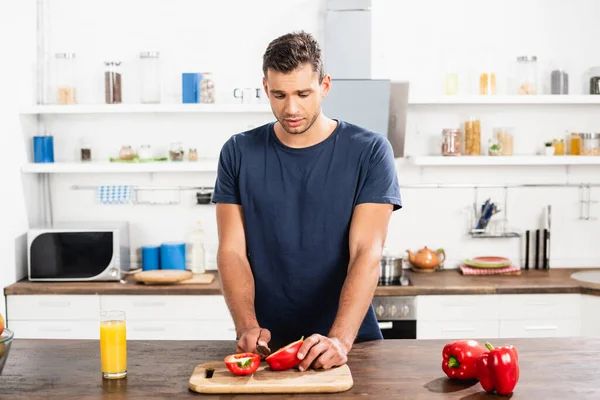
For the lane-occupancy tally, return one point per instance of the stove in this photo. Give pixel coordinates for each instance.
(397, 315)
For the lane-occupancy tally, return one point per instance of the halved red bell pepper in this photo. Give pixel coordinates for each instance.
(499, 369)
(243, 364)
(460, 359)
(286, 357)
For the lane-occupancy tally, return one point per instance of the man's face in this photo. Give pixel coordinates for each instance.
(296, 97)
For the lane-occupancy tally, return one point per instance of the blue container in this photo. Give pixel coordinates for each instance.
(190, 87)
(150, 258)
(172, 255)
(43, 149)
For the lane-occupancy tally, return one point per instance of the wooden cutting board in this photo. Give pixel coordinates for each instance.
(266, 381)
(164, 277)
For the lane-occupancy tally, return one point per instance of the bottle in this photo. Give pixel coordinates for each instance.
(198, 255)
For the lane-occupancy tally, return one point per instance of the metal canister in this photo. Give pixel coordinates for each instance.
(390, 270)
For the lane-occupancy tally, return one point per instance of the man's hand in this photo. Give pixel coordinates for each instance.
(249, 339)
(325, 352)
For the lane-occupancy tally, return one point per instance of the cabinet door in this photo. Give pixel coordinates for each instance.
(540, 306)
(53, 307)
(540, 328)
(590, 321)
(181, 330)
(457, 329)
(457, 308)
(56, 329)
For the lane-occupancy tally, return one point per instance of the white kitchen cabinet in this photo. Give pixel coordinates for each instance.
(53, 307)
(47, 329)
(457, 329)
(457, 308)
(540, 306)
(538, 328)
(590, 316)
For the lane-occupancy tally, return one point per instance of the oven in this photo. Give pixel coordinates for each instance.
(397, 316)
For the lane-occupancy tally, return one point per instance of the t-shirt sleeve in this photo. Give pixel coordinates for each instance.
(381, 182)
(226, 186)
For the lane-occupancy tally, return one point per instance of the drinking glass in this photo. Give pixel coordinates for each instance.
(113, 344)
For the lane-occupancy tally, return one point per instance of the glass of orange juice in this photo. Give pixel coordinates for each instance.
(113, 344)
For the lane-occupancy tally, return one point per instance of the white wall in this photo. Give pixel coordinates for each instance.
(413, 40)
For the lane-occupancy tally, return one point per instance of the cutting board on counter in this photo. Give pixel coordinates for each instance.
(214, 377)
(166, 277)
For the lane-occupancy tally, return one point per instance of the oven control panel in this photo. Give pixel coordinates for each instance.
(395, 308)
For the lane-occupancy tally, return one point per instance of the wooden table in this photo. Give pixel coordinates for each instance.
(389, 369)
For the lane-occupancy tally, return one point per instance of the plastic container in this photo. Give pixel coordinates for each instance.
(150, 84)
(526, 73)
(65, 78)
(197, 251)
(472, 132)
(451, 83)
(487, 83)
(207, 88)
(451, 142)
(172, 256)
(575, 144)
(150, 258)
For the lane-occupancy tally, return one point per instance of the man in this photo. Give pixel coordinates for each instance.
(303, 206)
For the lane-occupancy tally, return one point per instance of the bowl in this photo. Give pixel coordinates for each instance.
(6, 339)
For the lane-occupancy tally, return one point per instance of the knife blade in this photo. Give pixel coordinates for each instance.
(263, 350)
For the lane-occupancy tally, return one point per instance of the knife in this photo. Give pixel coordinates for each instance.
(263, 350)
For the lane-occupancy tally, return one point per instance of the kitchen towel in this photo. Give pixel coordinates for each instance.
(115, 194)
(511, 270)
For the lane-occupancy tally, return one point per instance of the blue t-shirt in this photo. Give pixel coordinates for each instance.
(297, 206)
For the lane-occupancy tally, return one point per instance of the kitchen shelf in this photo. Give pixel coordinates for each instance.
(119, 167)
(145, 108)
(505, 99)
(504, 160)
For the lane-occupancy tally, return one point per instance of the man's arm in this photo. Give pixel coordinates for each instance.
(368, 231)
(236, 277)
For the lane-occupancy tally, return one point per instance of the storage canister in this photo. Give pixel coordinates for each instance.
(64, 78)
(590, 144)
(112, 82)
(451, 143)
(172, 255)
(150, 83)
(526, 75)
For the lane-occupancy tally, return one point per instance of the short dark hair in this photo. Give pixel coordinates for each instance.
(292, 50)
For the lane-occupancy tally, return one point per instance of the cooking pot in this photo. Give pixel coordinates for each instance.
(390, 270)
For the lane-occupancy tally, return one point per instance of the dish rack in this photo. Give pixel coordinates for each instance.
(481, 221)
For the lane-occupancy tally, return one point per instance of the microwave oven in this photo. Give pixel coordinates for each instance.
(72, 251)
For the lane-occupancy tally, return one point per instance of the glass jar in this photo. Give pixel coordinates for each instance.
(176, 151)
(559, 147)
(193, 155)
(112, 82)
(207, 88)
(487, 83)
(575, 144)
(451, 83)
(145, 152)
(472, 130)
(590, 144)
(64, 78)
(526, 74)
(85, 151)
(150, 85)
(451, 143)
(504, 137)
(126, 153)
(559, 81)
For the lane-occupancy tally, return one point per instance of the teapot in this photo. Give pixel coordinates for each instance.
(426, 258)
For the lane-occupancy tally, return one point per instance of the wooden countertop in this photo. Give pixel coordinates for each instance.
(399, 369)
(437, 283)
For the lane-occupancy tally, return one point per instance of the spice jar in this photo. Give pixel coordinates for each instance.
(451, 144)
(150, 85)
(526, 75)
(176, 152)
(126, 153)
(207, 88)
(451, 83)
(85, 151)
(575, 144)
(112, 82)
(145, 152)
(193, 155)
(472, 137)
(64, 78)
(504, 137)
(590, 144)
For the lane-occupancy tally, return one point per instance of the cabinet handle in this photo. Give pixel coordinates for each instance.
(458, 329)
(458, 305)
(148, 304)
(386, 325)
(54, 303)
(541, 304)
(541, 328)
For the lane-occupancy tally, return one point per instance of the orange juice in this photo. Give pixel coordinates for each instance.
(113, 349)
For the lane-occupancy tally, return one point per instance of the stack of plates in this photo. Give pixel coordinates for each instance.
(489, 265)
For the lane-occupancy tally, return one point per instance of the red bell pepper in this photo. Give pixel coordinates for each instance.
(499, 369)
(460, 359)
(286, 357)
(243, 364)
